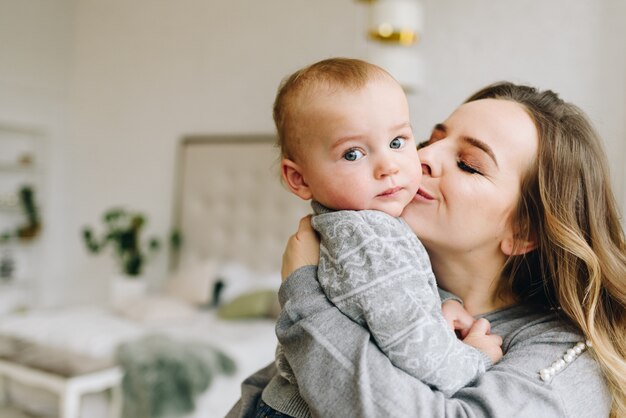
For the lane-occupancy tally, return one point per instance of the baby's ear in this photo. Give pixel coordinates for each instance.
(292, 175)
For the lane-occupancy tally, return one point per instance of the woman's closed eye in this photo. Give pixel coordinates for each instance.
(467, 167)
(353, 154)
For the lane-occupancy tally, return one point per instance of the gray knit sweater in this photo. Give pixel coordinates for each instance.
(376, 271)
(342, 373)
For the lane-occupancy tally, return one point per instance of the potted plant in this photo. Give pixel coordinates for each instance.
(32, 226)
(13, 237)
(122, 232)
(7, 262)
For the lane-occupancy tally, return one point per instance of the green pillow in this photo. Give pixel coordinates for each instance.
(254, 304)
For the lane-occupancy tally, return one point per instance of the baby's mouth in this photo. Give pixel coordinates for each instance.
(391, 191)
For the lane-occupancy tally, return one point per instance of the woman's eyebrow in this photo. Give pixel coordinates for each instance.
(481, 145)
(472, 141)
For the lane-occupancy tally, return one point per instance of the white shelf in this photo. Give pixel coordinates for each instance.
(16, 168)
(21, 157)
(10, 209)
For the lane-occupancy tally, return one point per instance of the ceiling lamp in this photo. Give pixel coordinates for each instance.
(394, 28)
(404, 66)
(395, 21)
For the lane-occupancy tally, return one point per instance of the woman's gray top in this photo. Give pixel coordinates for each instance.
(546, 371)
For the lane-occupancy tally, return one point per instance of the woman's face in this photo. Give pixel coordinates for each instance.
(472, 170)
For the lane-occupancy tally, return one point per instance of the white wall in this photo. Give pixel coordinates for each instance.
(141, 74)
(576, 48)
(36, 40)
(148, 72)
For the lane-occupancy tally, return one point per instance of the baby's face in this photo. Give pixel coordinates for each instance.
(359, 150)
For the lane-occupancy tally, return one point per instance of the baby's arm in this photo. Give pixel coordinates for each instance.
(473, 332)
(376, 272)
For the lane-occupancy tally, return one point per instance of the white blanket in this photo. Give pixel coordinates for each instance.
(96, 332)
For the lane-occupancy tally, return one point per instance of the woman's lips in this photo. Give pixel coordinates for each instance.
(421, 193)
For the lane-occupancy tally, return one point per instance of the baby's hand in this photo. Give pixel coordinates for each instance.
(459, 320)
(479, 337)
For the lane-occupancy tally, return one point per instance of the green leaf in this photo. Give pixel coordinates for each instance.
(176, 240)
(154, 244)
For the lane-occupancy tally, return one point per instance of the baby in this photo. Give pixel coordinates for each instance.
(347, 144)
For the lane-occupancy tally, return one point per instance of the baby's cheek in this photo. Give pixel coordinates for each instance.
(351, 201)
(418, 174)
(416, 179)
(418, 167)
(348, 197)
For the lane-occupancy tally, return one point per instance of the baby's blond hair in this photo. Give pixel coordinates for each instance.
(333, 72)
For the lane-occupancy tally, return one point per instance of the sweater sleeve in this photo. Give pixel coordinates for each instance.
(251, 389)
(341, 372)
(444, 295)
(373, 268)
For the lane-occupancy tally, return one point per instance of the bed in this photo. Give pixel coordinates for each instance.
(234, 216)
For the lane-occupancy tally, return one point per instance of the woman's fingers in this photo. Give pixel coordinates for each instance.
(303, 249)
(305, 228)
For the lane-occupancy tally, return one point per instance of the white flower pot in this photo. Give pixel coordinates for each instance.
(126, 290)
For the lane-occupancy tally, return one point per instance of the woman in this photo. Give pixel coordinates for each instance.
(519, 220)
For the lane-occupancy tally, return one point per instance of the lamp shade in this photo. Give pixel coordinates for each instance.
(395, 21)
(402, 63)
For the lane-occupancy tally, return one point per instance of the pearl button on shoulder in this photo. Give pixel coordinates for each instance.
(558, 365)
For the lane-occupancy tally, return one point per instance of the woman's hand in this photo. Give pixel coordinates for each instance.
(303, 249)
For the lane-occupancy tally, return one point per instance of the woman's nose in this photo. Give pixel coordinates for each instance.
(430, 167)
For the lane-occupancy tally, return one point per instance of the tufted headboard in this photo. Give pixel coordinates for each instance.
(230, 203)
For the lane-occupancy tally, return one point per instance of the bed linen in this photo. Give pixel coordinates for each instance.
(235, 218)
(98, 331)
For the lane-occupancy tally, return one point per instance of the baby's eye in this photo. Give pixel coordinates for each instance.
(463, 166)
(353, 155)
(397, 143)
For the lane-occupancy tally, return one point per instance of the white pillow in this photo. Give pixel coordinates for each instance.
(156, 308)
(194, 283)
(239, 279)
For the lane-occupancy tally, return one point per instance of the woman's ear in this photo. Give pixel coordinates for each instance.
(512, 246)
(292, 175)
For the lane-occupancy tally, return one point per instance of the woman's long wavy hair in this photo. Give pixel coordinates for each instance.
(568, 209)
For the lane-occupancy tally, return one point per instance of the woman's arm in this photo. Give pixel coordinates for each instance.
(340, 372)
